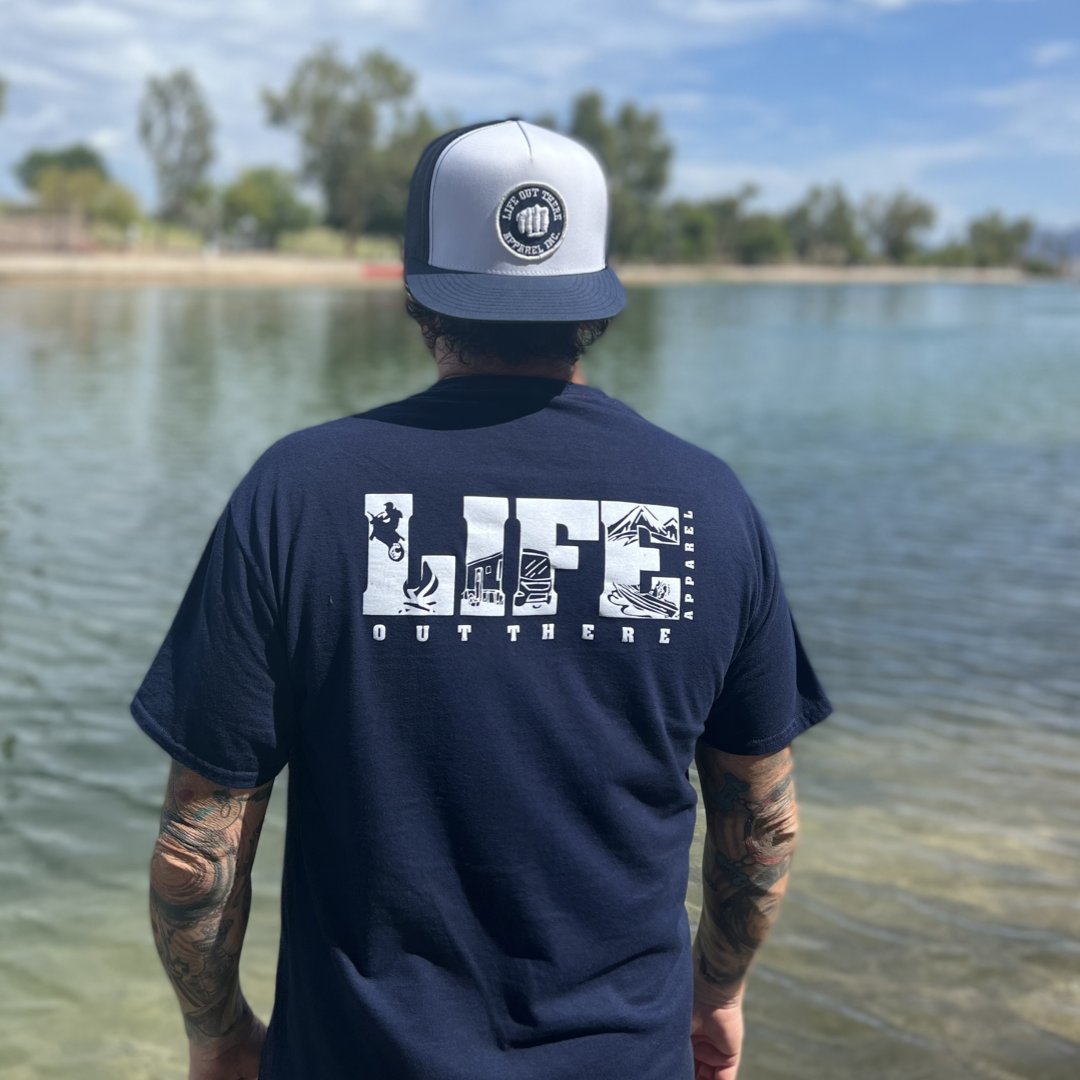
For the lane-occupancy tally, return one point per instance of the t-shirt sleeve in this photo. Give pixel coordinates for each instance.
(218, 696)
(770, 692)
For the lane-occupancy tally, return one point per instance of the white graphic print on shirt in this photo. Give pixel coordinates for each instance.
(541, 556)
(628, 528)
(389, 590)
(485, 518)
(634, 535)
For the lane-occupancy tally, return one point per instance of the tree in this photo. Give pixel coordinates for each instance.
(824, 227)
(761, 238)
(115, 205)
(75, 179)
(360, 137)
(708, 230)
(995, 241)
(635, 154)
(75, 158)
(85, 191)
(693, 231)
(896, 222)
(264, 203)
(177, 130)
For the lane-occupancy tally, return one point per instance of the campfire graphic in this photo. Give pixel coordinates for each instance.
(421, 599)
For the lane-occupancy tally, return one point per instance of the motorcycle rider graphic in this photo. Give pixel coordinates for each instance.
(384, 529)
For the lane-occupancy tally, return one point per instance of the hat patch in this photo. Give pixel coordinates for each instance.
(532, 221)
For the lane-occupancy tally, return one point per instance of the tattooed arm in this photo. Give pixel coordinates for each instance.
(752, 823)
(200, 897)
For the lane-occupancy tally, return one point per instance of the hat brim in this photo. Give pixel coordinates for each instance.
(515, 298)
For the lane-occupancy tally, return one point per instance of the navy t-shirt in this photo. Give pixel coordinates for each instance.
(485, 628)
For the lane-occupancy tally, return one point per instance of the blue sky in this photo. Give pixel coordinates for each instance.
(974, 103)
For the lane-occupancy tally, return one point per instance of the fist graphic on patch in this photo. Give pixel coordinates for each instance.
(534, 221)
(531, 220)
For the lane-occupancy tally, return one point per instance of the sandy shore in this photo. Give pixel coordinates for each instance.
(799, 274)
(249, 269)
(195, 269)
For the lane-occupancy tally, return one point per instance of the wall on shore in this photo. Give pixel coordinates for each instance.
(43, 232)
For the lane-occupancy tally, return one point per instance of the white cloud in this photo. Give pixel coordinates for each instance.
(31, 126)
(745, 14)
(755, 15)
(929, 169)
(898, 5)
(82, 19)
(37, 75)
(1033, 124)
(78, 66)
(396, 12)
(1038, 115)
(872, 167)
(107, 138)
(1050, 53)
(888, 166)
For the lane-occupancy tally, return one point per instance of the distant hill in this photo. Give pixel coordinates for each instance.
(1056, 245)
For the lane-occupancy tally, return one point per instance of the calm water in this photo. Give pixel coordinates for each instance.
(916, 451)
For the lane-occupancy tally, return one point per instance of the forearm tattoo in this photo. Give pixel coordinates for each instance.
(752, 826)
(200, 896)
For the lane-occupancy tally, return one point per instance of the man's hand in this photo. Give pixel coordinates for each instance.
(752, 823)
(236, 1058)
(716, 1034)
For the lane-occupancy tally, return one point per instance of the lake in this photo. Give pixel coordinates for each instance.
(915, 451)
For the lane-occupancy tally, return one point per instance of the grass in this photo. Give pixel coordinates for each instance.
(328, 243)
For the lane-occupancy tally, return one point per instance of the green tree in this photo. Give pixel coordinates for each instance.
(761, 238)
(896, 223)
(176, 128)
(75, 179)
(75, 158)
(636, 155)
(708, 230)
(360, 135)
(953, 253)
(85, 191)
(693, 231)
(115, 205)
(264, 202)
(824, 228)
(996, 241)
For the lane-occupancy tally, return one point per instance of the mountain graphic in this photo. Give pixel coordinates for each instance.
(628, 528)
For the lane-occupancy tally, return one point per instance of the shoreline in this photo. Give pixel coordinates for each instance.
(195, 269)
(280, 270)
(810, 274)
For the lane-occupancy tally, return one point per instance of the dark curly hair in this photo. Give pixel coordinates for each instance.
(511, 342)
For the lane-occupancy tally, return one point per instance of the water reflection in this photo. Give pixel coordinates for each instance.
(626, 362)
(916, 453)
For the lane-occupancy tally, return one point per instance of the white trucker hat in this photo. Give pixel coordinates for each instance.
(508, 221)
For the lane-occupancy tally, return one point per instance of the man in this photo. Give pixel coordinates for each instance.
(489, 716)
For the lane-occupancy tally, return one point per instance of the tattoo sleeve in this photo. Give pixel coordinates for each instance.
(200, 896)
(752, 825)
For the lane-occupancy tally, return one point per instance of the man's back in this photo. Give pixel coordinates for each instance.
(488, 721)
(486, 628)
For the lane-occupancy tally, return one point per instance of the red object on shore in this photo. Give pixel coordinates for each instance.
(381, 270)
